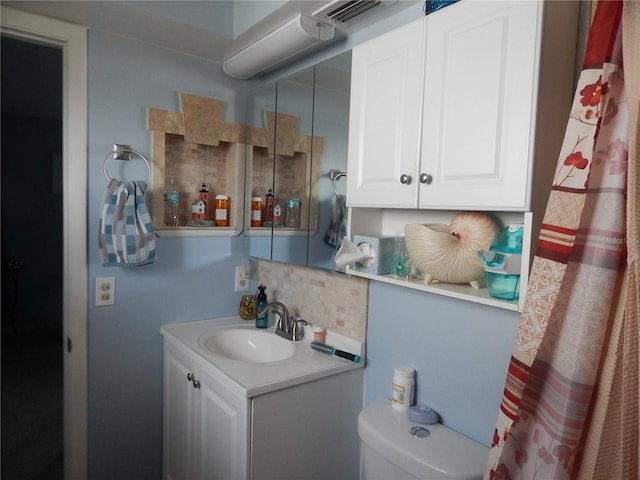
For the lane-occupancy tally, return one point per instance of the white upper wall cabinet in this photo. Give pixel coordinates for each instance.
(442, 110)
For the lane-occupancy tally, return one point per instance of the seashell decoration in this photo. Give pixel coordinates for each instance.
(448, 253)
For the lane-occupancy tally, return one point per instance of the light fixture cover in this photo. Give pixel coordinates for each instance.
(290, 39)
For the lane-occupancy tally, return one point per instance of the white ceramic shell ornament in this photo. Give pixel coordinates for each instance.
(448, 253)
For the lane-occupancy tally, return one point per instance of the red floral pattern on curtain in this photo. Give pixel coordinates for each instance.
(579, 259)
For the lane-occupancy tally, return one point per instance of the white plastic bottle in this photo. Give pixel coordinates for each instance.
(403, 386)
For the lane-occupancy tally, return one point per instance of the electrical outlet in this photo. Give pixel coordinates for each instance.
(105, 291)
(241, 282)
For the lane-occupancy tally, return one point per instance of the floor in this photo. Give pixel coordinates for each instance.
(31, 406)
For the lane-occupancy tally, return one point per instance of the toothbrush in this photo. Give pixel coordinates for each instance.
(329, 350)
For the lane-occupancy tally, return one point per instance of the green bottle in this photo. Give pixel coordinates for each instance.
(262, 319)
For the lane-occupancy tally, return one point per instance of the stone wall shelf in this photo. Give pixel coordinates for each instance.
(184, 232)
(193, 147)
(197, 146)
(278, 232)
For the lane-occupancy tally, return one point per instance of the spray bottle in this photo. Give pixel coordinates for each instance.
(262, 319)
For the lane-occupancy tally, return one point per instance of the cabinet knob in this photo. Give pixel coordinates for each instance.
(192, 378)
(405, 179)
(426, 178)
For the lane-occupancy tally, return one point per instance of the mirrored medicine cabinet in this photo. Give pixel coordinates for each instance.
(306, 116)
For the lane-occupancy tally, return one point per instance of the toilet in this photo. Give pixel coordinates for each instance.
(390, 451)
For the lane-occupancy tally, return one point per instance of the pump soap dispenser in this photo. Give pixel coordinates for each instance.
(262, 318)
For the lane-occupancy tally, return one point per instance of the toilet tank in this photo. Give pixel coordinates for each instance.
(390, 451)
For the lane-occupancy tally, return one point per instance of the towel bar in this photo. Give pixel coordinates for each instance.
(123, 152)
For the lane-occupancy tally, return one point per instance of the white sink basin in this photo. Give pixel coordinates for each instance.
(247, 345)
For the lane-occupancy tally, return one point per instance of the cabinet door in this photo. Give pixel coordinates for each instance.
(384, 120)
(308, 431)
(480, 84)
(178, 435)
(222, 435)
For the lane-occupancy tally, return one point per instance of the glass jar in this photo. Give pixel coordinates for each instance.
(171, 197)
(292, 219)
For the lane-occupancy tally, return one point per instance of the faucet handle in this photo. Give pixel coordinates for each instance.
(297, 333)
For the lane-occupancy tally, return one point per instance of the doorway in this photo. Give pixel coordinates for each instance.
(71, 41)
(31, 260)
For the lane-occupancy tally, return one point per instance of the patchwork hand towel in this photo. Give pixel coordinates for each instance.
(338, 227)
(125, 231)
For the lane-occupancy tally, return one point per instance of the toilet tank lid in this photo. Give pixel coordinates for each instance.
(445, 453)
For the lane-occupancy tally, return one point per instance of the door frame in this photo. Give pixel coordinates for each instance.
(72, 40)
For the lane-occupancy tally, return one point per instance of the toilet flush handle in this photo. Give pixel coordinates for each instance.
(419, 432)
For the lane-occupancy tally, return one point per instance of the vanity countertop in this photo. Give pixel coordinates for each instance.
(252, 379)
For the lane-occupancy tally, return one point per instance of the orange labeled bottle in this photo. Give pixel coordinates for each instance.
(222, 210)
(256, 211)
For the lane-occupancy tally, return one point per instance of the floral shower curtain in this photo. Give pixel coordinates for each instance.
(570, 406)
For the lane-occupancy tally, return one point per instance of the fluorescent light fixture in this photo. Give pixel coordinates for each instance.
(290, 39)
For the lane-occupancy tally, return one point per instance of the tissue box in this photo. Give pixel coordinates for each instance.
(383, 254)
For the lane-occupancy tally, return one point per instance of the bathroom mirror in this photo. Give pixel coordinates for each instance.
(306, 117)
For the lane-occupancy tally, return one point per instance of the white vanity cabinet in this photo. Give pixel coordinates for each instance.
(441, 110)
(205, 424)
(463, 109)
(234, 420)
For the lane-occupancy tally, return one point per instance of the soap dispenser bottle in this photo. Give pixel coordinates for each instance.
(262, 318)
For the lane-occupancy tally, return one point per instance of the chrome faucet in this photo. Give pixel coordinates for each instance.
(283, 326)
(288, 326)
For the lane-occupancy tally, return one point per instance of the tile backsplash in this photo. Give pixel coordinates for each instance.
(336, 301)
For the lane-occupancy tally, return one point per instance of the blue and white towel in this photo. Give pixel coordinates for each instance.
(338, 227)
(125, 231)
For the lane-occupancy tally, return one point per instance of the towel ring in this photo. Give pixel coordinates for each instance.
(123, 152)
(334, 176)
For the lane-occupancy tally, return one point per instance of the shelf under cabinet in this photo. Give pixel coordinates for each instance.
(386, 222)
(459, 291)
